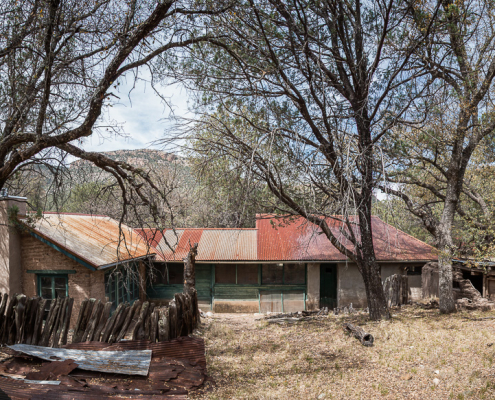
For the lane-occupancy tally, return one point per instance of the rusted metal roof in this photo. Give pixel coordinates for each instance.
(283, 239)
(95, 240)
(213, 244)
(296, 239)
(130, 362)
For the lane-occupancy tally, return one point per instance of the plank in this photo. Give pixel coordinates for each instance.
(50, 322)
(107, 308)
(130, 316)
(38, 326)
(68, 315)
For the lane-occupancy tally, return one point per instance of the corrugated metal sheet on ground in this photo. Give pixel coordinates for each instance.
(296, 239)
(120, 346)
(184, 348)
(94, 239)
(213, 244)
(131, 362)
(187, 348)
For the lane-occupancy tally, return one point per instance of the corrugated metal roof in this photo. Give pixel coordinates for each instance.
(213, 244)
(295, 239)
(285, 239)
(96, 240)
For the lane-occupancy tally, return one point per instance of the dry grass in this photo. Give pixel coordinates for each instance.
(250, 359)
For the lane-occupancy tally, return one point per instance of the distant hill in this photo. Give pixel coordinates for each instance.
(140, 158)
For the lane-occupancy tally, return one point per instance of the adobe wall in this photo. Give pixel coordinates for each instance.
(313, 288)
(85, 283)
(10, 250)
(350, 284)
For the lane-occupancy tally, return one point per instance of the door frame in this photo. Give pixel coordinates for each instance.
(336, 266)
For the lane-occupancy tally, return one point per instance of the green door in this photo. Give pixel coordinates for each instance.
(328, 285)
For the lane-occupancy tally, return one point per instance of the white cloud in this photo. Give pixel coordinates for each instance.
(141, 114)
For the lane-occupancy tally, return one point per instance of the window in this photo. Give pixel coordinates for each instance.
(168, 274)
(283, 274)
(247, 274)
(294, 274)
(273, 274)
(122, 285)
(411, 271)
(53, 286)
(236, 274)
(225, 273)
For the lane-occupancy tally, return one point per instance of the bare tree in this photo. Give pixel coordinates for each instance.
(304, 93)
(61, 63)
(460, 57)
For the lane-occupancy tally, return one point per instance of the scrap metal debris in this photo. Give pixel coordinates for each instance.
(176, 367)
(131, 362)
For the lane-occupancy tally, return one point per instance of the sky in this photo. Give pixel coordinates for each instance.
(142, 115)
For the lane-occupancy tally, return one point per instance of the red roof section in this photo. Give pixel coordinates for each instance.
(296, 239)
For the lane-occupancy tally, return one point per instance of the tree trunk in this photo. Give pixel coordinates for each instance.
(446, 248)
(189, 270)
(377, 303)
(445, 292)
(366, 259)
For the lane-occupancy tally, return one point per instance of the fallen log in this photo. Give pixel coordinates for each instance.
(365, 338)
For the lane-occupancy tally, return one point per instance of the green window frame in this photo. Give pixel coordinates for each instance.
(122, 285)
(237, 274)
(41, 278)
(284, 266)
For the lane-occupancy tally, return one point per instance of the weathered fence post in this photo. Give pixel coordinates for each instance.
(396, 290)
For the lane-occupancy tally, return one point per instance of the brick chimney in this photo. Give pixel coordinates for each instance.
(10, 244)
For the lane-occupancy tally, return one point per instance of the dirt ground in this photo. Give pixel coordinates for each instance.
(419, 354)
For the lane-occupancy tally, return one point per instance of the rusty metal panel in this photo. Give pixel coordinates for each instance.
(97, 240)
(213, 244)
(295, 239)
(130, 362)
(187, 348)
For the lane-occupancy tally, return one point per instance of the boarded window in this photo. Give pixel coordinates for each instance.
(272, 274)
(247, 274)
(294, 274)
(175, 274)
(225, 273)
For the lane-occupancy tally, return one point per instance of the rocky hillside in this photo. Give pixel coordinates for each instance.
(140, 158)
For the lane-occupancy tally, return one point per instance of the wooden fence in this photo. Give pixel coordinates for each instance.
(31, 321)
(157, 324)
(22, 320)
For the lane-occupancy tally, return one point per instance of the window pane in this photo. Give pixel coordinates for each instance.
(46, 287)
(159, 274)
(294, 274)
(247, 274)
(272, 274)
(60, 287)
(175, 274)
(225, 273)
